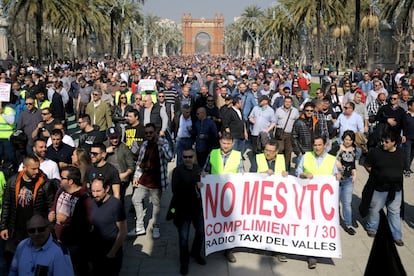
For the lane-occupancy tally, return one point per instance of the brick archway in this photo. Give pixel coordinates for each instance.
(214, 28)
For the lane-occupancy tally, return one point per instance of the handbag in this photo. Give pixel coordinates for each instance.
(279, 132)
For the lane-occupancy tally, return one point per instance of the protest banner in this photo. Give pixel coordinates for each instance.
(275, 213)
(147, 85)
(5, 92)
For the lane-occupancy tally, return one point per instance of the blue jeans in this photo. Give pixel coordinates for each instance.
(183, 227)
(409, 153)
(182, 144)
(239, 144)
(378, 202)
(345, 196)
(137, 199)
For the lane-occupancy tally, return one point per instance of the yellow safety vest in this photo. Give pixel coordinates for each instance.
(23, 94)
(6, 129)
(262, 166)
(232, 164)
(310, 165)
(45, 104)
(128, 95)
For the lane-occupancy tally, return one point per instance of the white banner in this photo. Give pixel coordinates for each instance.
(281, 214)
(147, 85)
(5, 92)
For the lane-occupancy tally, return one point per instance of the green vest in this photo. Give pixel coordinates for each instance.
(262, 166)
(45, 104)
(232, 164)
(2, 187)
(310, 165)
(128, 95)
(23, 94)
(6, 129)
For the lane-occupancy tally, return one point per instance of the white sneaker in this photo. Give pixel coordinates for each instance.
(140, 231)
(136, 232)
(156, 233)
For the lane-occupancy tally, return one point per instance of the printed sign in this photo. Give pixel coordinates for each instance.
(274, 213)
(5, 92)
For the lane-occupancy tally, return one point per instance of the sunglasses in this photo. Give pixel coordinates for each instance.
(95, 153)
(161, 96)
(309, 110)
(36, 229)
(95, 94)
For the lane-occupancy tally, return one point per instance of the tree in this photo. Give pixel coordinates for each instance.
(319, 12)
(252, 22)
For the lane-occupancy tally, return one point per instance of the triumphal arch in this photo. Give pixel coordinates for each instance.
(203, 36)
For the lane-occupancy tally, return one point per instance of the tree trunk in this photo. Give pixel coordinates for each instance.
(39, 24)
(119, 50)
(112, 34)
(281, 44)
(371, 52)
(356, 32)
(317, 54)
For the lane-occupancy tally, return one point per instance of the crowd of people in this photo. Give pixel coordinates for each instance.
(210, 115)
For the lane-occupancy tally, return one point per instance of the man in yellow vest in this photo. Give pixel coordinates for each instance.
(269, 161)
(123, 90)
(314, 163)
(7, 124)
(224, 160)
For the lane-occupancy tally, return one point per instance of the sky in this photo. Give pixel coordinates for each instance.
(175, 9)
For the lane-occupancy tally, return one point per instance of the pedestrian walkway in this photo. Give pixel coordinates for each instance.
(145, 256)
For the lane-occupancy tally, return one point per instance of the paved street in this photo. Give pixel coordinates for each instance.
(145, 256)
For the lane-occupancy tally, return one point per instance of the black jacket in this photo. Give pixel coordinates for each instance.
(42, 202)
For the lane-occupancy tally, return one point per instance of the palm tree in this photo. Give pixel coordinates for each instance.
(282, 25)
(319, 12)
(400, 15)
(252, 22)
(233, 42)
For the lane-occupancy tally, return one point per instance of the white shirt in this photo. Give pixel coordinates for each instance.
(49, 167)
(66, 139)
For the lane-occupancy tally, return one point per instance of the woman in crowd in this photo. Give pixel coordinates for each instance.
(346, 165)
(82, 160)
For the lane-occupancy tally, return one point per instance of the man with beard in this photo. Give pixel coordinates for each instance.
(109, 229)
(134, 132)
(48, 167)
(59, 152)
(150, 178)
(304, 130)
(89, 134)
(26, 193)
(121, 158)
(100, 167)
(71, 217)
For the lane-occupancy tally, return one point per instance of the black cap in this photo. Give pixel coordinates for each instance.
(112, 133)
